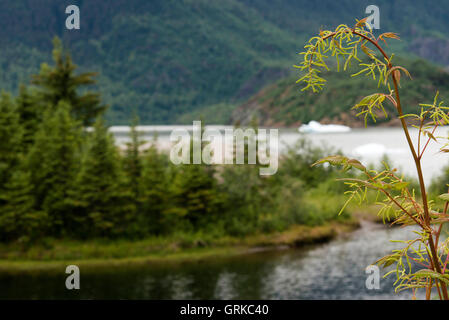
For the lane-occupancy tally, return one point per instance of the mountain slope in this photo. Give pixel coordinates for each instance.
(170, 59)
(284, 104)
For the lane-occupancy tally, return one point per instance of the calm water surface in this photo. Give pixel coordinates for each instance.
(335, 270)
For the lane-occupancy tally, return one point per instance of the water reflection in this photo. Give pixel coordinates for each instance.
(331, 271)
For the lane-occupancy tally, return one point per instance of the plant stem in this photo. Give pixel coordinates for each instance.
(433, 251)
(417, 160)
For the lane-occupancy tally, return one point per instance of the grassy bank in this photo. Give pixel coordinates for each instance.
(57, 254)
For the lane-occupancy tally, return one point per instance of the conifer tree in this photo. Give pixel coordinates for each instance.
(60, 83)
(18, 218)
(10, 137)
(195, 194)
(30, 112)
(101, 204)
(156, 180)
(53, 161)
(133, 162)
(194, 191)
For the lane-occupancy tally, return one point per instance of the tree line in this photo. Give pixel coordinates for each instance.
(60, 179)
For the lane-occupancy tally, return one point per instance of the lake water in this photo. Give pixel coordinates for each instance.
(335, 270)
(368, 145)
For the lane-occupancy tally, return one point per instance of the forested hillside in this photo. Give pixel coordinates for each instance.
(283, 104)
(171, 60)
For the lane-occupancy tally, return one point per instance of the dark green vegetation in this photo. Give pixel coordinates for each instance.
(283, 104)
(61, 181)
(170, 59)
(102, 254)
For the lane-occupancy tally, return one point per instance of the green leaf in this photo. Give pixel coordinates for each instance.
(444, 196)
(356, 164)
(339, 160)
(389, 262)
(400, 185)
(427, 273)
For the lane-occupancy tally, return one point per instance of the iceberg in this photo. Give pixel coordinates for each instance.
(316, 127)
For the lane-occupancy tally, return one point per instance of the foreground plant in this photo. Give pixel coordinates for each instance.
(423, 261)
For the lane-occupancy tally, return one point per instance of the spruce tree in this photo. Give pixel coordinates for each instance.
(194, 191)
(11, 134)
(133, 161)
(102, 207)
(156, 212)
(19, 220)
(60, 83)
(30, 111)
(53, 161)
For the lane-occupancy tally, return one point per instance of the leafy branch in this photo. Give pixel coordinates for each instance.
(394, 195)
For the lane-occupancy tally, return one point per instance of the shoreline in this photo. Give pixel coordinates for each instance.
(296, 237)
